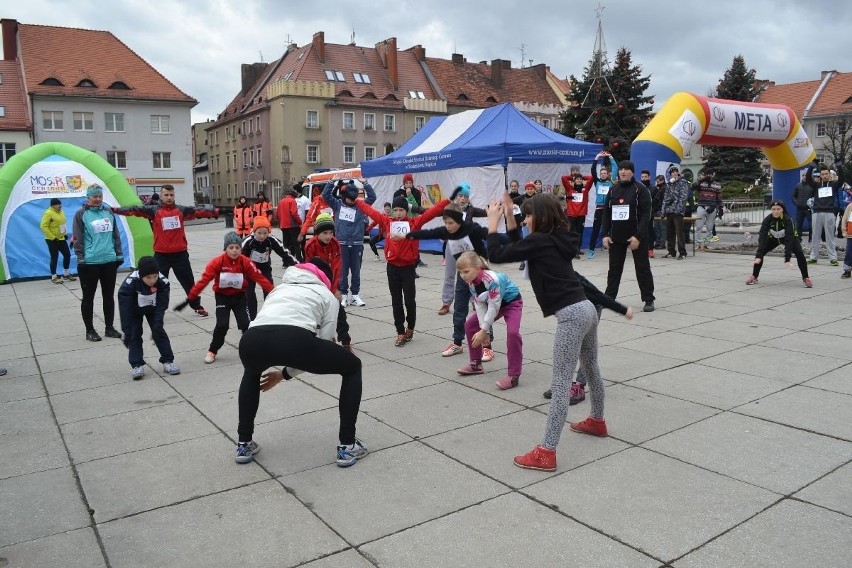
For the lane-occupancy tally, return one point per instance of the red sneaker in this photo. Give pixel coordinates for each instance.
(445, 309)
(591, 425)
(539, 458)
(472, 368)
(408, 335)
(507, 383)
(651, 253)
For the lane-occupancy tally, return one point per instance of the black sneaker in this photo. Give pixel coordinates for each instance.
(548, 394)
(112, 332)
(92, 336)
(649, 307)
(846, 274)
(421, 264)
(681, 257)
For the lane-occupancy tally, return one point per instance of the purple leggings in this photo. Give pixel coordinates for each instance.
(511, 312)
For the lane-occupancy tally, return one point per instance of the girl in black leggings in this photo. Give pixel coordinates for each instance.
(777, 229)
(294, 329)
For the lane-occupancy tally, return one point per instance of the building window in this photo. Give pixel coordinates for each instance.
(559, 125)
(250, 126)
(820, 129)
(160, 124)
(369, 121)
(227, 162)
(7, 150)
(390, 123)
(162, 160)
(117, 159)
(260, 156)
(369, 152)
(84, 121)
(348, 121)
(114, 121)
(245, 159)
(52, 120)
(313, 154)
(312, 119)
(257, 124)
(419, 121)
(349, 154)
(545, 122)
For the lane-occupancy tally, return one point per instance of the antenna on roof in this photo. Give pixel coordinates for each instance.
(261, 55)
(352, 40)
(523, 45)
(289, 40)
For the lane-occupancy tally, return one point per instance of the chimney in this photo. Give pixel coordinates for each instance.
(10, 39)
(319, 45)
(497, 72)
(249, 72)
(821, 75)
(419, 52)
(457, 58)
(391, 63)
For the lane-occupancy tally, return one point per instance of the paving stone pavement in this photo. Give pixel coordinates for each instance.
(729, 409)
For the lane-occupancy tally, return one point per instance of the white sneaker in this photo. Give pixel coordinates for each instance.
(171, 368)
(348, 455)
(345, 301)
(210, 357)
(452, 349)
(137, 373)
(357, 301)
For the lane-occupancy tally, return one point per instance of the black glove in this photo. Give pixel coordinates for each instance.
(180, 307)
(455, 193)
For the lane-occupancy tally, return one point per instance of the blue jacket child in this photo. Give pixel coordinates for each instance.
(145, 295)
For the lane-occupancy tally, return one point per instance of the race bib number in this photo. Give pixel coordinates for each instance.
(260, 257)
(824, 192)
(146, 300)
(577, 197)
(458, 246)
(603, 189)
(516, 210)
(230, 280)
(171, 223)
(347, 214)
(620, 212)
(102, 226)
(63, 229)
(400, 228)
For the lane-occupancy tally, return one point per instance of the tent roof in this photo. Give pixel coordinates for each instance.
(495, 135)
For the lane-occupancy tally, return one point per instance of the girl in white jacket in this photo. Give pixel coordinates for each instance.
(295, 329)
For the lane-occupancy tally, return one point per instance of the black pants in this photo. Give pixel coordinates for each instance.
(402, 291)
(770, 246)
(803, 213)
(578, 226)
(133, 334)
(266, 346)
(617, 255)
(55, 247)
(179, 262)
(224, 306)
(90, 276)
(380, 237)
(290, 239)
(251, 297)
(674, 231)
(596, 228)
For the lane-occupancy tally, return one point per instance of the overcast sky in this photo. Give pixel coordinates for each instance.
(684, 45)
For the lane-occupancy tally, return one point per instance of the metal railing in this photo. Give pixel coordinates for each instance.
(743, 213)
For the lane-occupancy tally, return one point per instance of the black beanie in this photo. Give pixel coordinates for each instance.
(55, 201)
(456, 216)
(324, 266)
(400, 203)
(147, 265)
(626, 165)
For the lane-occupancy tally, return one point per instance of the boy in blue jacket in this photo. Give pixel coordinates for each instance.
(145, 295)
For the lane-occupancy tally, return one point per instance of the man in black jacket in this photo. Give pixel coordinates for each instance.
(824, 209)
(801, 194)
(627, 213)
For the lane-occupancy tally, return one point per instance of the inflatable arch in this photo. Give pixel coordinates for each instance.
(687, 119)
(30, 179)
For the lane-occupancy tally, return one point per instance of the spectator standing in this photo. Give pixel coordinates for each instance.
(675, 200)
(627, 213)
(55, 231)
(243, 217)
(658, 193)
(289, 221)
(602, 183)
(846, 228)
(802, 194)
(645, 178)
(709, 193)
(262, 207)
(824, 210)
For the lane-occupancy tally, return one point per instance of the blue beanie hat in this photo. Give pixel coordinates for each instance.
(465, 189)
(94, 189)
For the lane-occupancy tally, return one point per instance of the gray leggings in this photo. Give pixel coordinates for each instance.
(576, 337)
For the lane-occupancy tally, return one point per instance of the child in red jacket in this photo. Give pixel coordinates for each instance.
(326, 246)
(402, 259)
(230, 273)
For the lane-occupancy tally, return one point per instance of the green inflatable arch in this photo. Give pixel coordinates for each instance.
(25, 194)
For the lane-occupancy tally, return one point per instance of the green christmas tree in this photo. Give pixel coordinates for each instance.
(609, 110)
(733, 163)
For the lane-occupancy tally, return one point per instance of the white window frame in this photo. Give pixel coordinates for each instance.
(257, 124)
(81, 120)
(316, 151)
(243, 128)
(545, 122)
(52, 114)
(392, 118)
(312, 119)
(245, 159)
(118, 159)
(372, 121)
(163, 158)
(250, 126)
(351, 121)
(369, 153)
(251, 157)
(113, 122)
(419, 122)
(350, 158)
(160, 124)
(7, 150)
(821, 129)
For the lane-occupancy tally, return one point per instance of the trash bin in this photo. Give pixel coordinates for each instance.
(229, 221)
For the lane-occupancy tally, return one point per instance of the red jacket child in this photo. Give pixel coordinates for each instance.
(577, 201)
(325, 246)
(318, 206)
(230, 276)
(404, 252)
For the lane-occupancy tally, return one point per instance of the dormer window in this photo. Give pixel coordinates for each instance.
(462, 97)
(88, 83)
(119, 85)
(361, 78)
(491, 100)
(52, 82)
(332, 75)
(368, 95)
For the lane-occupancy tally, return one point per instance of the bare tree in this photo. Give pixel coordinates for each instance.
(838, 143)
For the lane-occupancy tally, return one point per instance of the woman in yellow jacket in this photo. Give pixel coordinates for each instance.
(56, 236)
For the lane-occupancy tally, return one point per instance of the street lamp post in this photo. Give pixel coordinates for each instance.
(581, 134)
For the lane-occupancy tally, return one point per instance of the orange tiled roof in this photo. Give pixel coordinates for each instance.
(14, 98)
(72, 55)
(470, 84)
(836, 97)
(794, 95)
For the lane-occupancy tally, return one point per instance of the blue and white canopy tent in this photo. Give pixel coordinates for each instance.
(484, 147)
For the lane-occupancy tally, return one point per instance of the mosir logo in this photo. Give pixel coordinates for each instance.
(718, 113)
(782, 119)
(689, 128)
